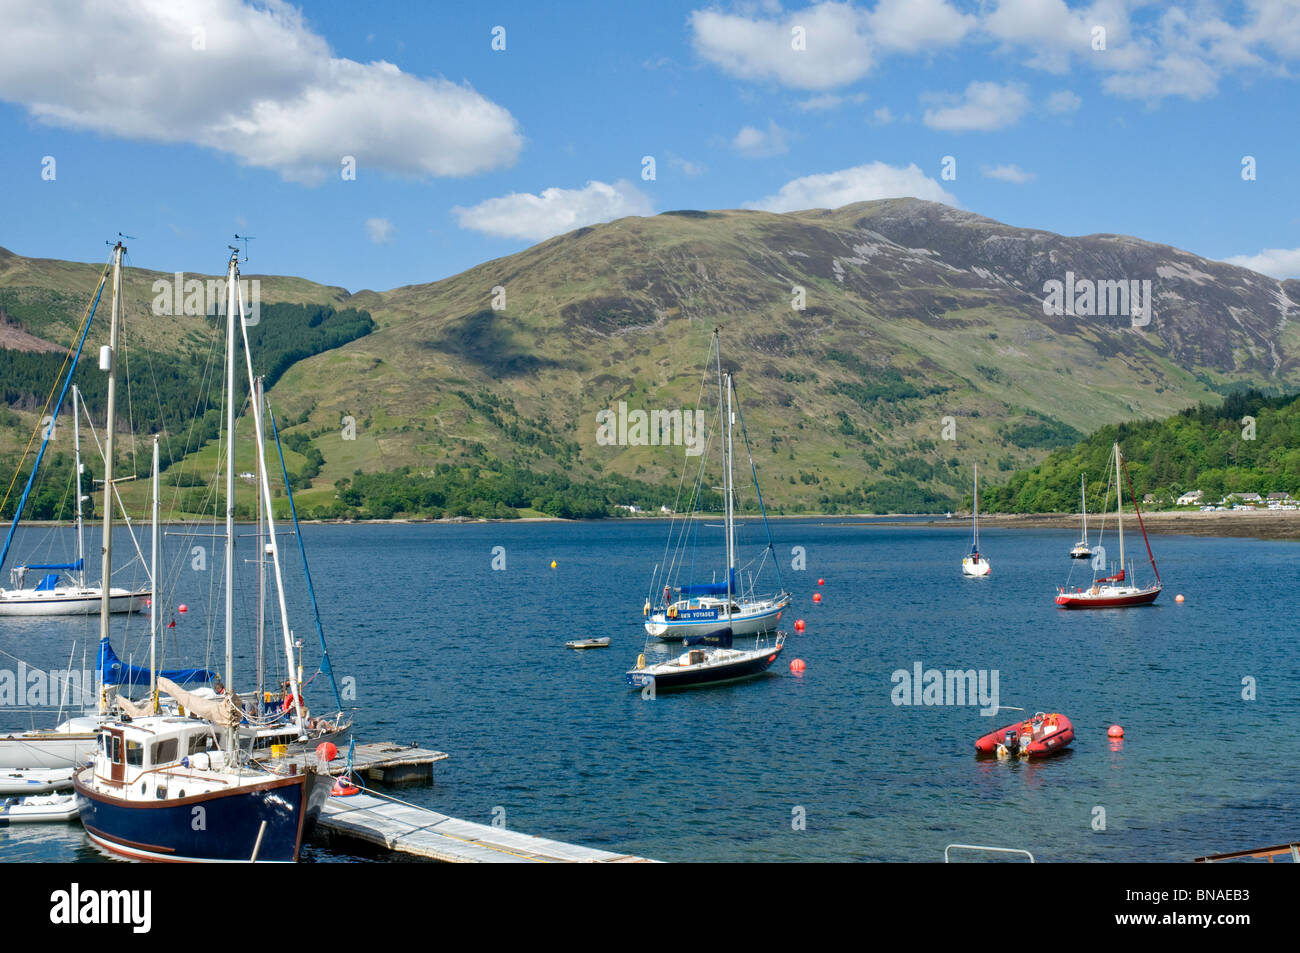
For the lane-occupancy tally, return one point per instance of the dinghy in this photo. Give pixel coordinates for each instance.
(1038, 737)
(46, 809)
(588, 644)
(35, 782)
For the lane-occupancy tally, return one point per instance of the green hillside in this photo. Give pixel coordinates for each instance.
(1248, 444)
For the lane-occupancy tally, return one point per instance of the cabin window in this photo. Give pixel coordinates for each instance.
(198, 744)
(117, 750)
(164, 752)
(134, 753)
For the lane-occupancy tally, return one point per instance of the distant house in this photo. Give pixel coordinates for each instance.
(1190, 499)
(1248, 497)
(1279, 495)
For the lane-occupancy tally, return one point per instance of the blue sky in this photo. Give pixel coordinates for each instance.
(181, 123)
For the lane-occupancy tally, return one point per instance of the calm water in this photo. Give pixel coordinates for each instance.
(447, 652)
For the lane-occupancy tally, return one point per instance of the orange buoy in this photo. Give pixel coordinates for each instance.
(182, 608)
(821, 582)
(326, 751)
(798, 625)
(1115, 731)
(817, 597)
(797, 665)
(1178, 598)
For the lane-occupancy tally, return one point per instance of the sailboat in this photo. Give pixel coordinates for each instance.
(153, 775)
(1115, 591)
(974, 564)
(61, 588)
(694, 609)
(708, 616)
(1081, 549)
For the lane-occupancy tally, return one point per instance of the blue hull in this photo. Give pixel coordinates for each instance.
(228, 822)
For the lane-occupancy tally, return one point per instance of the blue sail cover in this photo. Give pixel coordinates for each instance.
(71, 567)
(721, 638)
(710, 588)
(113, 671)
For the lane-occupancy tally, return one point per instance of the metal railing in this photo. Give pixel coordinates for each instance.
(1000, 850)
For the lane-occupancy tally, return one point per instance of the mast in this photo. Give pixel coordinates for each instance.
(273, 545)
(231, 279)
(1083, 505)
(261, 575)
(731, 516)
(153, 594)
(975, 511)
(108, 362)
(76, 458)
(1119, 508)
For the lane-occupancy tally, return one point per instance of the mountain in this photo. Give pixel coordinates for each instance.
(919, 323)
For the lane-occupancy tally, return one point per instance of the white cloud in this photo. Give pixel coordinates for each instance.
(755, 143)
(837, 46)
(252, 81)
(554, 211)
(913, 26)
(1007, 173)
(983, 107)
(883, 115)
(858, 184)
(1276, 262)
(379, 230)
(1063, 101)
(686, 167)
(826, 101)
(841, 43)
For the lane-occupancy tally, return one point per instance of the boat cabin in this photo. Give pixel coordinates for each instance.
(152, 755)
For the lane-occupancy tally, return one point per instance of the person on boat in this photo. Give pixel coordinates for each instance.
(668, 596)
(218, 686)
(290, 698)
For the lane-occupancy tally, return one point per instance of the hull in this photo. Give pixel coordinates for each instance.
(45, 750)
(1080, 552)
(24, 783)
(705, 621)
(163, 829)
(754, 663)
(980, 568)
(71, 600)
(1105, 599)
(1059, 736)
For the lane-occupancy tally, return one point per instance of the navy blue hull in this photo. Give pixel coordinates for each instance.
(225, 829)
(710, 675)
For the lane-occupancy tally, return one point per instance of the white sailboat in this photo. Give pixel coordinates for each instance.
(974, 563)
(699, 609)
(61, 588)
(1081, 549)
(1115, 591)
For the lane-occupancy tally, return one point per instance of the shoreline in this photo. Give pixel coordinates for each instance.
(1266, 524)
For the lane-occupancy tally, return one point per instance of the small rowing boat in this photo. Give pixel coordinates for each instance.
(588, 644)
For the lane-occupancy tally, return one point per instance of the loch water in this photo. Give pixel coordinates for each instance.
(442, 649)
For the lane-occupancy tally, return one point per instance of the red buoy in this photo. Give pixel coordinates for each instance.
(821, 582)
(326, 751)
(797, 665)
(343, 787)
(182, 608)
(798, 625)
(817, 597)
(1115, 731)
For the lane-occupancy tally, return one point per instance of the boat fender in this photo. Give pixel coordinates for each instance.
(672, 612)
(640, 661)
(646, 609)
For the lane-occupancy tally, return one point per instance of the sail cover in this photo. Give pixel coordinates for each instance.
(113, 671)
(710, 588)
(222, 710)
(721, 638)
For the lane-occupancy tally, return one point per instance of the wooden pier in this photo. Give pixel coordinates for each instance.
(381, 761)
(419, 832)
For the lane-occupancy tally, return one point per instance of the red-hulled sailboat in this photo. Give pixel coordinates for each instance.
(1115, 591)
